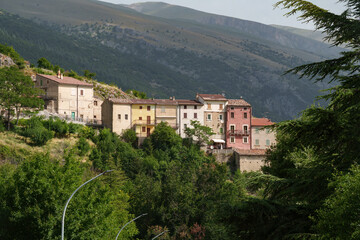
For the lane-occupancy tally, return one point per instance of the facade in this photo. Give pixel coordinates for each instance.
(143, 117)
(116, 114)
(250, 160)
(215, 115)
(67, 96)
(238, 124)
(261, 138)
(187, 111)
(97, 102)
(165, 111)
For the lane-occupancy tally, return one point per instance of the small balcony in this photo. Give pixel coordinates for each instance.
(143, 122)
(238, 133)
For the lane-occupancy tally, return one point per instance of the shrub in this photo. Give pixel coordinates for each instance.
(83, 146)
(38, 135)
(129, 136)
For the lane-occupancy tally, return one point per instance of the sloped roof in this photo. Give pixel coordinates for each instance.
(261, 122)
(120, 100)
(142, 101)
(238, 102)
(165, 102)
(188, 102)
(213, 97)
(251, 152)
(66, 80)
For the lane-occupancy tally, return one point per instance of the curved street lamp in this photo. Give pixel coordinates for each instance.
(129, 223)
(67, 203)
(160, 234)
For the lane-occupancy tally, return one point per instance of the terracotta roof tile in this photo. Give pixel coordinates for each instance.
(251, 152)
(165, 102)
(261, 122)
(188, 102)
(120, 100)
(142, 101)
(212, 97)
(66, 80)
(238, 102)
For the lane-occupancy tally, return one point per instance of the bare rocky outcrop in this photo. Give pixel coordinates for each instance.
(6, 61)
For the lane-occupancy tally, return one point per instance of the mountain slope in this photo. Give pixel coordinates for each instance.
(160, 56)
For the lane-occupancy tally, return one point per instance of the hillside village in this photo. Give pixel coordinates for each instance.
(230, 120)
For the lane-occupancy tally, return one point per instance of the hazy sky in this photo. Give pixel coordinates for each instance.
(255, 10)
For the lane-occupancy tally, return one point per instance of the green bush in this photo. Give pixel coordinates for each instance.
(129, 136)
(38, 135)
(83, 146)
(2, 127)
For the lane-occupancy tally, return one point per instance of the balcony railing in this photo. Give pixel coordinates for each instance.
(238, 132)
(143, 122)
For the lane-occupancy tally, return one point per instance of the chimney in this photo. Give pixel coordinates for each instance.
(241, 97)
(62, 76)
(59, 74)
(173, 98)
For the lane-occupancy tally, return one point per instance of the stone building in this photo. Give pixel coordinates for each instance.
(67, 96)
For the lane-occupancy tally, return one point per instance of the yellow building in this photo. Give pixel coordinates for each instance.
(143, 117)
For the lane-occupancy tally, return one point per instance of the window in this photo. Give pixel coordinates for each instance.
(94, 116)
(267, 131)
(119, 116)
(209, 106)
(232, 108)
(148, 108)
(143, 129)
(257, 142)
(232, 114)
(195, 115)
(245, 109)
(140, 118)
(95, 103)
(267, 142)
(232, 128)
(220, 106)
(185, 115)
(185, 107)
(245, 115)
(47, 81)
(256, 130)
(126, 117)
(245, 140)
(185, 126)
(41, 82)
(245, 127)
(220, 117)
(81, 92)
(221, 130)
(162, 109)
(232, 139)
(81, 116)
(209, 117)
(140, 107)
(195, 107)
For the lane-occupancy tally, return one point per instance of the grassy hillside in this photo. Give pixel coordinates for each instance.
(163, 57)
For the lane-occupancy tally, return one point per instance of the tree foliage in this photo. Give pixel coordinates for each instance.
(17, 92)
(323, 141)
(199, 132)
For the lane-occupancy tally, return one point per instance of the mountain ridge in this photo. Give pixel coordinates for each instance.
(165, 57)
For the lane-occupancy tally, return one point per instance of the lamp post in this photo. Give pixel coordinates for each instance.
(129, 223)
(160, 234)
(67, 203)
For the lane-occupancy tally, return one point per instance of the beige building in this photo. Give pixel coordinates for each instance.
(262, 138)
(250, 160)
(165, 111)
(116, 114)
(214, 115)
(97, 103)
(67, 96)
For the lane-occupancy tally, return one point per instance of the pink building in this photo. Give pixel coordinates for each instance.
(238, 124)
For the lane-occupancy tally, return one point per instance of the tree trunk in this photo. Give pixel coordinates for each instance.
(17, 115)
(8, 119)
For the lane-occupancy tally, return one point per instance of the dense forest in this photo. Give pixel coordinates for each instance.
(309, 188)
